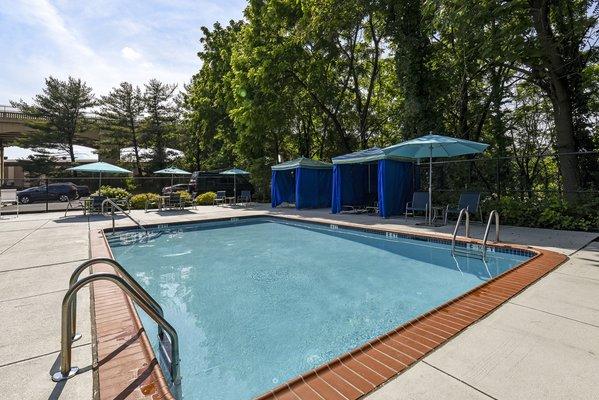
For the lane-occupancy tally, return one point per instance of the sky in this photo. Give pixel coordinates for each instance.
(103, 42)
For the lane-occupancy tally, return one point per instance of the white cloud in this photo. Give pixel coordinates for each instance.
(104, 42)
(130, 54)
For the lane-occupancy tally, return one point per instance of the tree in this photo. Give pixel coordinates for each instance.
(58, 113)
(552, 45)
(161, 114)
(122, 111)
(411, 23)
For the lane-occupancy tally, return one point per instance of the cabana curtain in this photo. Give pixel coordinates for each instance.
(282, 187)
(305, 182)
(391, 182)
(395, 186)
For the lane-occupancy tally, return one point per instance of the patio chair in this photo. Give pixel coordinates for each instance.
(221, 196)
(173, 201)
(191, 202)
(245, 197)
(374, 209)
(9, 197)
(353, 209)
(468, 200)
(419, 203)
(93, 205)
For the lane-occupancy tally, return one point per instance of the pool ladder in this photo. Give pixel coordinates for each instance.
(482, 252)
(113, 205)
(168, 347)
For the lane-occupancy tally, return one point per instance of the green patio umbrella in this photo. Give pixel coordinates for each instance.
(235, 172)
(430, 146)
(172, 171)
(102, 168)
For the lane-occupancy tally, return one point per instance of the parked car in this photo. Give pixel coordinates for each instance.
(83, 191)
(175, 188)
(54, 191)
(202, 182)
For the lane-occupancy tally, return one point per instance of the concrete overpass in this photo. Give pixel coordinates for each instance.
(14, 125)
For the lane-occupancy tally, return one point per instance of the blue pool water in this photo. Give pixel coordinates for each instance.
(257, 302)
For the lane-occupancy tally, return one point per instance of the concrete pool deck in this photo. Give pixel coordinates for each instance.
(543, 343)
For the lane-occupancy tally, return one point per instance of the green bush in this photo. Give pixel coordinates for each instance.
(548, 212)
(185, 196)
(206, 199)
(138, 201)
(114, 192)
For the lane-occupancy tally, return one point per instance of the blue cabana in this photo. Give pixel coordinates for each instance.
(302, 181)
(372, 176)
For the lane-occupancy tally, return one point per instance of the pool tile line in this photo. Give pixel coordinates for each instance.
(126, 365)
(364, 369)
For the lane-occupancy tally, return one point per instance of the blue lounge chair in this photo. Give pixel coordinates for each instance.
(419, 203)
(220, 198)
(468, 200)
(245, 197)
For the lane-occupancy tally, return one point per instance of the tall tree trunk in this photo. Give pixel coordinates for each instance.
(559, 91)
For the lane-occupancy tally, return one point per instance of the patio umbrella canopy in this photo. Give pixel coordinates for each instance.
(235, 172)
(100, 167)
(172, 171)
(430, 146)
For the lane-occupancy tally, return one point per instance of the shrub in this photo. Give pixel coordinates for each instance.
(206, 199)
(114, 192)
(138, 201)
(185, 196)
(550, 212)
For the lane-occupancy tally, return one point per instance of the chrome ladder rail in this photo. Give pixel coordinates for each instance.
(457, 227)
(125, 275)
(66, 369)
(114, 205)
(488, 228)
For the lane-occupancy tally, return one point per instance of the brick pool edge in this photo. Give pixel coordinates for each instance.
(127, 366)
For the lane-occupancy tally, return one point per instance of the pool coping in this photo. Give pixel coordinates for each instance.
(349, 376)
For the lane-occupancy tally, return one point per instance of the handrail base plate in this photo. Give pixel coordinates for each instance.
(59, 377)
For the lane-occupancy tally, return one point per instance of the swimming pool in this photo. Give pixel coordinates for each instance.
(259, 301)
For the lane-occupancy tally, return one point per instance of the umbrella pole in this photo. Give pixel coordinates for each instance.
(430, 187)
(235, 187)
(100, 185)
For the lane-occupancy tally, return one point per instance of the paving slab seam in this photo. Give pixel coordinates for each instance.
(33, 295)
(23, 238)
(41, 355)
(553, 314)
(44, 265)
(578, 276)
(460, 380)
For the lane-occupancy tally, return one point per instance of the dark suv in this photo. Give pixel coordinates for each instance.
(204, 181)
(55, 191)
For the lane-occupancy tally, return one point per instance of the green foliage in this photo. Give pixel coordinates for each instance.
(113, 192)
(138, 201)
(206, 199)
(549, 212)
(57, 114)
(121, 114)
(130, 183)
(185, 195)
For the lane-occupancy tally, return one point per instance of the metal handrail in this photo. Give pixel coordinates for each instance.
(66, 370)
(125, 275)
(114, 205)
(457, 226)
(486, 237)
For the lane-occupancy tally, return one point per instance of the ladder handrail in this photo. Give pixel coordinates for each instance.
(114, 205)
(457, 226)
(66, 370)
(488, 228)
(124, 274)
